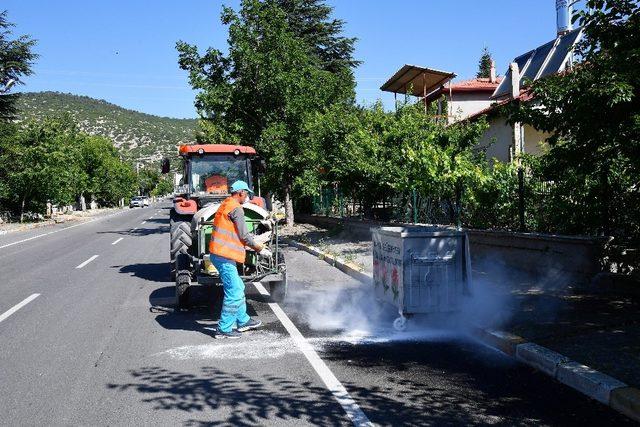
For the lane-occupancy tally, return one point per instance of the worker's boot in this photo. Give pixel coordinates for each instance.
(231, 334)
(251, 324)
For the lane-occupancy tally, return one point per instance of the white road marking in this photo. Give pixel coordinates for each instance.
(116, 242)
(144, 222)
(87, 261)
(336, 388)
(257, 345)
(18, 306)
(58, 230)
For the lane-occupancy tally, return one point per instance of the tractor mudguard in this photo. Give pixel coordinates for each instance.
(186, 207)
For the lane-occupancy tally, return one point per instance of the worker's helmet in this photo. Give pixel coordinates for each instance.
(240, 185)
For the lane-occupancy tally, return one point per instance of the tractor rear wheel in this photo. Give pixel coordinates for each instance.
(278, 289)
(180, 235)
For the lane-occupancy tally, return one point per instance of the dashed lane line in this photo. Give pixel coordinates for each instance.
(353, 411)
(144, 222)
(87, 261)
(116, 242)
(18, 306)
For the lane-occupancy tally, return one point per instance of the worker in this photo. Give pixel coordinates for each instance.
(227, 247)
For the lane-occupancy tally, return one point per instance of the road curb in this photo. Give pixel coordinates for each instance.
(541, 358)
(501, 340)
(626, 400)
(594, 384)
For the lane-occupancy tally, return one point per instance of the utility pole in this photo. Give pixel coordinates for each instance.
(518, 144)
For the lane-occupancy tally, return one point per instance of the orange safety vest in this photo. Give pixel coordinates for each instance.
(224, 237)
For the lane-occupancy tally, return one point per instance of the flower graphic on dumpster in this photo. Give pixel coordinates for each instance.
(394, 283)
(384, 278)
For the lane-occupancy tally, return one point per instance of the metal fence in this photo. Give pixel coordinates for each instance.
(521, 208)
(400, 207)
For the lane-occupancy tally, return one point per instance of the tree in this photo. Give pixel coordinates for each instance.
(484, 64)
(16, 60)
(311, 21)
(164, 187)
(40, 165)
(148, 180)
(355, 156)
(593, 113)
(106, 177)
(272, 81)
(52, 161)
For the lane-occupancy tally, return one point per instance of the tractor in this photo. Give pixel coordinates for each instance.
(208, 172)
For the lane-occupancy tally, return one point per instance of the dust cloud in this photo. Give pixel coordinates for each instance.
(353, 315)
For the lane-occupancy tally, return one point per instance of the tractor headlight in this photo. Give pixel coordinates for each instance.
(236, 152)
(201, 151)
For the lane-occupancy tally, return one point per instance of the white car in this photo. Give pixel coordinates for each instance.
(145, 201)
(137, 202)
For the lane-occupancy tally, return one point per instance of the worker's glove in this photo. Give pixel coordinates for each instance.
(265, 253)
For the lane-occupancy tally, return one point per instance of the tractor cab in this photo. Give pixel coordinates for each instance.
(210, 169)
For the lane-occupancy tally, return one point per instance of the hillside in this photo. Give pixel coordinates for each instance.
(140, 137)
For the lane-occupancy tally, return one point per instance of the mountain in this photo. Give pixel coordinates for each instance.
(139, 136)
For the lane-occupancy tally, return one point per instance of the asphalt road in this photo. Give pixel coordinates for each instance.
(89, 336)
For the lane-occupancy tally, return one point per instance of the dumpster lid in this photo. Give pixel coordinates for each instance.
(418, 231)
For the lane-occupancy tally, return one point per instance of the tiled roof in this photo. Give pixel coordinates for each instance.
(477, 84)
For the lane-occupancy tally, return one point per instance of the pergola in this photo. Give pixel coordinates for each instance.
(416, 81)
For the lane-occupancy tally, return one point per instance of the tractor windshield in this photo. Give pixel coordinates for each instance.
(215, 173)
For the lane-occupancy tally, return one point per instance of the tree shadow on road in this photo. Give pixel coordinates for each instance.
(249, 401)
(138, 231)
(214, 397)
(389, 400)
(154, 272)
(158, 220)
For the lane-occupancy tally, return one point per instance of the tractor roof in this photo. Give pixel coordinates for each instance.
(215, 149)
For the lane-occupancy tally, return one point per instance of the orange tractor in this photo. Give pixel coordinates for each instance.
(208, 172)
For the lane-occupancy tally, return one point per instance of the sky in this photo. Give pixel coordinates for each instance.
(123, 51)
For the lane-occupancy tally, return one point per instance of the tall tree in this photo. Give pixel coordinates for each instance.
(484, 64)
(311, 20)
(593, 113)
(16, 60)
(271, 82)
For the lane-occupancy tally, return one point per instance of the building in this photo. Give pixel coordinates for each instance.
(505, 141)
(475, 98)
(500, 139)
(465, 98)
(460, 99)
